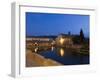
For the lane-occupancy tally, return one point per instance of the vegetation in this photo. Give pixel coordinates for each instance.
(81, 40)
(76, 39)
(81, 36)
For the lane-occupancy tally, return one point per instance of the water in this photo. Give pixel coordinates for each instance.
(65, 56)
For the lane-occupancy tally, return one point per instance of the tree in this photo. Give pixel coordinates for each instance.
(76, 39)
(81, 36)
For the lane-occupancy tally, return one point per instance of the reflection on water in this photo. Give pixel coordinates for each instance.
(62, 52)
(52, 48)
(36, 49)
(63, 55)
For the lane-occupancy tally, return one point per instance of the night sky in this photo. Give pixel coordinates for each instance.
(38, 24)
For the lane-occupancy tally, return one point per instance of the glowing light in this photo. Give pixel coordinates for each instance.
(62, 52)
(36, 49)
(52, 48)
(61, 40)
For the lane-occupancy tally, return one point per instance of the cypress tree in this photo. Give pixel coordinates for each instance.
(81, 36)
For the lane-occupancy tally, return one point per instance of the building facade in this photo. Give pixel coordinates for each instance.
(64, 40)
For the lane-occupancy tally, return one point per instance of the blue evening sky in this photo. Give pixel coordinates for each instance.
(53, 24)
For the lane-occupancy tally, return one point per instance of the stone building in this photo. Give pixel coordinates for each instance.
(64, 40)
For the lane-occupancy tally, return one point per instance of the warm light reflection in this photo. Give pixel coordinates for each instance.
(52, 48)
(61, 40)
(62, 52)
(36, 49)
